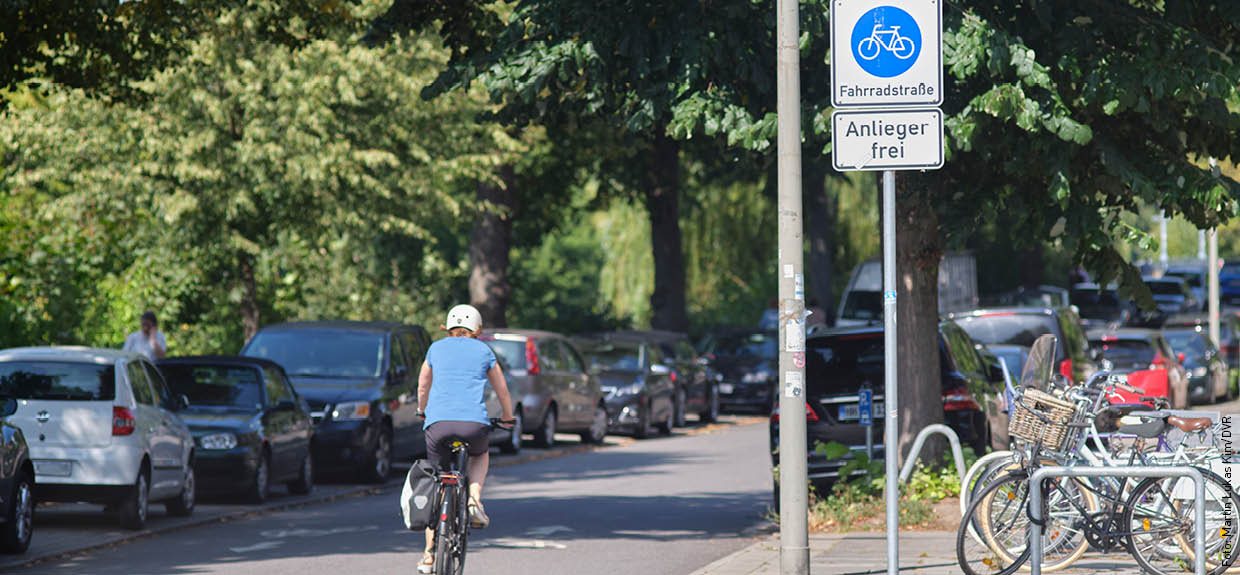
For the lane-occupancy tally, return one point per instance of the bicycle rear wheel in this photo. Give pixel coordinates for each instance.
(1003, 520)
(445, 540)
(974, 553)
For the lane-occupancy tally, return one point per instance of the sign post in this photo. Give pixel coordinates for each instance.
(865, 417)
(886, 86)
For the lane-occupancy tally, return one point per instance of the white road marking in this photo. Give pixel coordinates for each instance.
(548, 531)
(284, 533)
(261, 546)
(508, 543)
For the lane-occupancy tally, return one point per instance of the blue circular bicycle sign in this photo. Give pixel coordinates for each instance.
(886, 41)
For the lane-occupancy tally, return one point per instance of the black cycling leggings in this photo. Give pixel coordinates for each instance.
(439, 437)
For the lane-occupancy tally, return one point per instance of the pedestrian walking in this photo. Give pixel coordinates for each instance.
(148, 340)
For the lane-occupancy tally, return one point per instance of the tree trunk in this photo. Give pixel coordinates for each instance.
(667, 303)
(250, 321)
(918, 250)
(821, 220)
(489, 290)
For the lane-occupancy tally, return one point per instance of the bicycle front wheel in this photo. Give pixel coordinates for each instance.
(974, 555)
(1003, 520)
(1160, 515)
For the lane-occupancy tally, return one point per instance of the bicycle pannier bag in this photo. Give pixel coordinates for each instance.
(417, 498)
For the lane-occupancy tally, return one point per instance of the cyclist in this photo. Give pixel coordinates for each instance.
(450, 391)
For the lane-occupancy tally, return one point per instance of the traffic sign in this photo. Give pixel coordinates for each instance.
(865, 407)
(900, 139)
(886, 53)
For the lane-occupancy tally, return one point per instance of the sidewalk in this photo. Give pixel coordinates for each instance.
(922, 553)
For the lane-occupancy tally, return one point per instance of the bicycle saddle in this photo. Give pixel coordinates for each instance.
(1187, 424)
(1149, 429)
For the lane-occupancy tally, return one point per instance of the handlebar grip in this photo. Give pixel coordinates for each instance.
(1128, 388)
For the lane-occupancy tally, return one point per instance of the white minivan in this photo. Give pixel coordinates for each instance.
(102, 428)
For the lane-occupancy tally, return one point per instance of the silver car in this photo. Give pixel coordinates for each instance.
(551, 390)
(102, 427)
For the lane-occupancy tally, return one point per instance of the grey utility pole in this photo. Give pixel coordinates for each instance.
(891, 433)
(793, 474)
(1212, 294)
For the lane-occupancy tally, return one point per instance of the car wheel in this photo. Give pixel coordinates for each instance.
(711, 414)
(380, 459)
(598, 427)
(19, 527)
(679, 409)
(513, 445)
(133, 507)
(665, 428)
(260, 485)
(183, 505)
(643, 424)
(545, 434)
(305, 478)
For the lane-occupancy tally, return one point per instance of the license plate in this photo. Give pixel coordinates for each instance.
(853, 411)
(726, 388)
(53, 468)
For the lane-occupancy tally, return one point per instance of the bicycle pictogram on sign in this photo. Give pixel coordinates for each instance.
(886, 41)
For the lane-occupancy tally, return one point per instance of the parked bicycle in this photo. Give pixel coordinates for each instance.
(452, 530)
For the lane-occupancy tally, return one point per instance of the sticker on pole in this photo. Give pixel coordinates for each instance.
(886, 53)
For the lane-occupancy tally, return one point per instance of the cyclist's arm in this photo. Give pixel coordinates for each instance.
(500, 385)
(424, 385)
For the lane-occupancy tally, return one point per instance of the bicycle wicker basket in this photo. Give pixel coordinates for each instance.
(1042, 417)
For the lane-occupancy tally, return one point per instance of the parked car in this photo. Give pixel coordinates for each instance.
(1171, 295)
(1130, 350)
(251, 428)
(103, 428)
(1208, 380)
(17, 485)
(360, 381)
(841, 361)
(1014, 356)
(1101, 307)
(1196, 277)
(637, 383)
(1023, 325)
(551, 389)
(1229, 283)
(1228, 334)
(696, 385)
(747, 363)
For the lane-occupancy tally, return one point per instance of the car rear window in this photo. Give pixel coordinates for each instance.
(58, 380)
(1007, 328)
(763, 345)
(1126, 352)
(215, 385)
(841, 365)
(1104, 305)
(511, 352)
(1193, 278)
(1188, 342)
(321, 352)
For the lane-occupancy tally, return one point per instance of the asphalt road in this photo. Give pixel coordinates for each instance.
(668, 506)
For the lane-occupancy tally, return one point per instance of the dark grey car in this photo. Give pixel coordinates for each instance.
(550, 387)
(636, 382)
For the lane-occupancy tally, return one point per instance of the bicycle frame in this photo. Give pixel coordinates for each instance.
(453, 510)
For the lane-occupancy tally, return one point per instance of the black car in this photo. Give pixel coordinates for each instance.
(250, 427)
(840, 362)
(636, 382)
(16, 485)
(1208, 380)
(1228, 336)
(1101, 307)
(360, 379)
(746, 361)
(697, 388)
(1171, 295)
(1023, 325)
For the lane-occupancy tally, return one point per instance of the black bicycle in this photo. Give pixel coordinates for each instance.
(452, 531)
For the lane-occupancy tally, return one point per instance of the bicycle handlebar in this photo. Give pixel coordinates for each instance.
(506, 425)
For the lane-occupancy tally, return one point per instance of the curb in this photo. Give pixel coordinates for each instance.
(392, 484)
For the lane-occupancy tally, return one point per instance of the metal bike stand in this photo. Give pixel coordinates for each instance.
(929, 430)
(1043, 473)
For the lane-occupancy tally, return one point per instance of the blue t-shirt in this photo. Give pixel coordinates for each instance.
(459, 367)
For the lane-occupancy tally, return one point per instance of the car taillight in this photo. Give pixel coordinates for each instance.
(673, 375)
(809, 414)
(531, 357)
(959, 399)
(1065, 368)
(123, 422)
(1159, 361)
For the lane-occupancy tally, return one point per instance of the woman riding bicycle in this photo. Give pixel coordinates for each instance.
(450, 391)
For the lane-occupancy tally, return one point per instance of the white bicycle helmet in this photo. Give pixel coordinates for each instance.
(465, 316)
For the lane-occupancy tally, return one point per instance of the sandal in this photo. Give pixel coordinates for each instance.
(427, 565)
(477, 515)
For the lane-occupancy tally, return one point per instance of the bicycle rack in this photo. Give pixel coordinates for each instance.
(929, 430)
(1043, 473)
